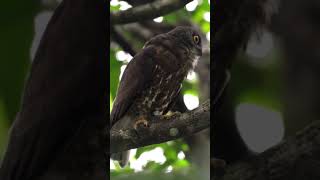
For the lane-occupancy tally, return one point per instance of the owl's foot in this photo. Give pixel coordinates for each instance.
(171, 114)
(141, 123)
(218, 166)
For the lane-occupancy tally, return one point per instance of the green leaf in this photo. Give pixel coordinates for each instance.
(181, 164)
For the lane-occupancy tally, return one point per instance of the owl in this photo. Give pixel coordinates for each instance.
(153, 78)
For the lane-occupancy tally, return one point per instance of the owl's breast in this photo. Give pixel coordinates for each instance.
(161, 91)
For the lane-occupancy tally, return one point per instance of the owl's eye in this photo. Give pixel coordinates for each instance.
(196, 39)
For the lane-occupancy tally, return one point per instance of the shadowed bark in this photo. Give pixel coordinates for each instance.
(295, 158)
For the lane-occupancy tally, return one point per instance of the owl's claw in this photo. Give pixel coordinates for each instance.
(141, 123)
(171, 114)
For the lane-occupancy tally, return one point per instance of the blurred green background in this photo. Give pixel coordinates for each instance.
(17, 31)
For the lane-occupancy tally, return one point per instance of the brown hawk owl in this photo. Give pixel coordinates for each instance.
(153, 78)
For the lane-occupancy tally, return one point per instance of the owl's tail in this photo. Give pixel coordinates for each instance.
(121, 157)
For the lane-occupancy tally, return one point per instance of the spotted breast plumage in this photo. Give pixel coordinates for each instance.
(153, 78)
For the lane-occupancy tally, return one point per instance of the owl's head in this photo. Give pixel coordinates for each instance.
(188, 37)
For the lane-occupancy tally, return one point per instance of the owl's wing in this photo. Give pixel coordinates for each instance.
(134, 80)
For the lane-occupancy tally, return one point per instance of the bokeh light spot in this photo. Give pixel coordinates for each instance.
(191, 101)
(191, 6)
(260, 127)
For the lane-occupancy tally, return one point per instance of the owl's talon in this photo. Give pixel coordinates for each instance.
(171, 114)
(141, 123)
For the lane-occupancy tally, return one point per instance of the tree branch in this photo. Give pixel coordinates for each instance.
(122, 41)
(295, 158)
(162, 129)
(147, 11)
